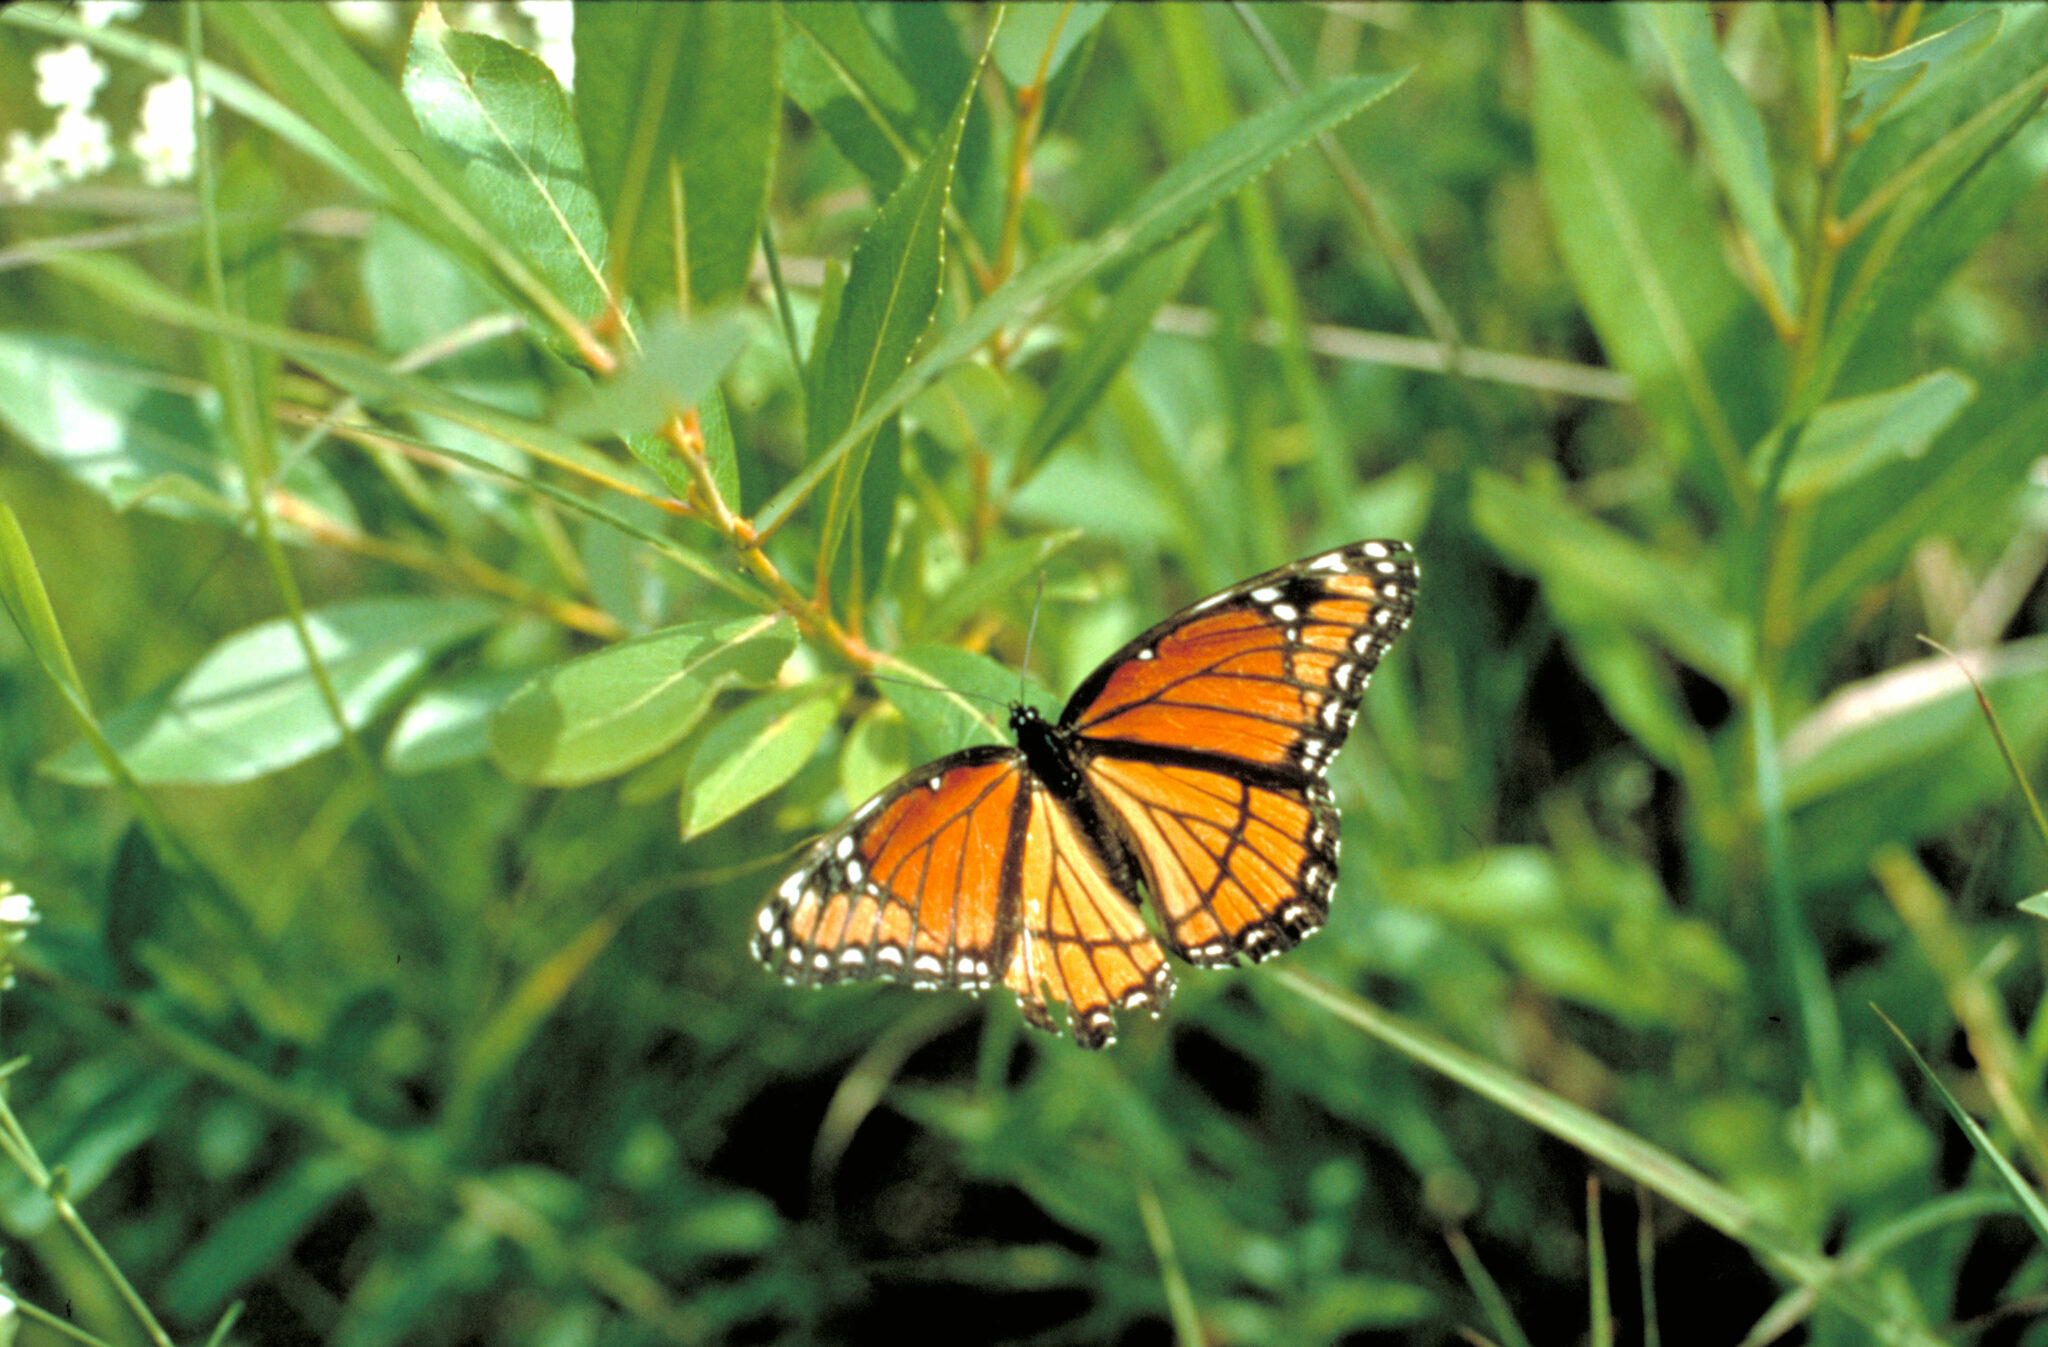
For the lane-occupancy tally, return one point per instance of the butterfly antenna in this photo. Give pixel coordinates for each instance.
(1030, 632)
(930, 687)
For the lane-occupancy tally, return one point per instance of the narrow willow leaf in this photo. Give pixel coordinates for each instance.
(1874, 87)
(601, 714)
(680, 102)
(1643, 256)
(1569, 550)
(755, 750)
(1846, 440)
(1734, 136)
(873, 522)
(499, 114)
(2037, 905)
(847, 82)
(1002, 571)
(719, 448)
(450, 723)
(28, 606)
(678, 367)
(1039, 38)
(1115, 333)
(298, 49)
(2016, 1186)
(891, 292)
(120, 430)
(250, 707)
(1219, 167)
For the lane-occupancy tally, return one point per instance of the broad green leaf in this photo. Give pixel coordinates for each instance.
(600, 714)
(1643, 256)
(128, 434)
(953, 698)
(891, 292)
(250, 706)
(2010, 1179)
(678, 368)
(1125, 320)
(1733, 133)
(679, 104)
(298, 50)
(1876, 86)
(496, 111)
(1003, 571)
(1639, 589)
(450, 723)
(848, 83)
(755, 750)
(1846, 440)
(249, 1238)
(1172, 204)
(1042, 37)
(875, 752)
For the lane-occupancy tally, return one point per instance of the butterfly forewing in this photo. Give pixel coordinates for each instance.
(1268, 673)
(911, 887)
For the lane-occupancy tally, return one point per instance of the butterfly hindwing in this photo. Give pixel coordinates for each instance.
(966, 873)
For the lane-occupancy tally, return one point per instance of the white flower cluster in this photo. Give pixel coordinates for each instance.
(17, 914)
(79, 144)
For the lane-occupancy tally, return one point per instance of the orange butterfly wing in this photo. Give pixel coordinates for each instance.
(965, 873)
(1206, 739)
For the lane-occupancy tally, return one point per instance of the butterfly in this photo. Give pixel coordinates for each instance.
(1192, 760)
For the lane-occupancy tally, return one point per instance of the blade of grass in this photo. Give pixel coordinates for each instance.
(2031, 1208)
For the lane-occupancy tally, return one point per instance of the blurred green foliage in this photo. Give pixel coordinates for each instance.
(448, 541)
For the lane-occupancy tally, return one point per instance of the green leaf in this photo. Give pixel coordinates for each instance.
(450, 723)
(1602, 567)
(954, 698)
(1173, 203)
(120, 430)
(28, 607)
(720, 448)
(250, 707)
(1846, 440)
(2022, 1192)
(256, 1234)
(1112, 336)
(1733, 133)
(600, 714)
(1643, 256)
(1036, 36)
(496, 111)
(858, 574)
(849, 84)
(891, 292)
(140, 896)
(1002, 571)
(680, 103)
(755, 750)
(678, 367)
(875, 752)
(299, 51)
(2037, 905)
(1876, 86)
